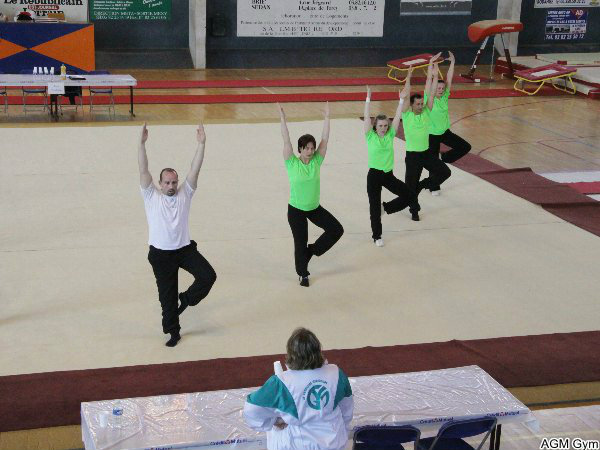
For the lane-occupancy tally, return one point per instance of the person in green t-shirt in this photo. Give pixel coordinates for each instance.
(440, 133)
(380, 145)
(304, 173)
(416, 122)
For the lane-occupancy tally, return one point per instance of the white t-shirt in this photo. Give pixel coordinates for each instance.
(168, 216)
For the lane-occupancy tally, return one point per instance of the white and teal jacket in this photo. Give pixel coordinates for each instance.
(316, 404)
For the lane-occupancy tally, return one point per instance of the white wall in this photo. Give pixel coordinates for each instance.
(198, 33)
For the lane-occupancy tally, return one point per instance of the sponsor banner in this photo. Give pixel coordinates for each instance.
(566, 24)
(130, 9)
(566, 3)
(74, 10)
(434, 7)
(310, 18)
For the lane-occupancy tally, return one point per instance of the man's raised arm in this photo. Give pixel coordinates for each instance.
(433, 88)
(192, 177)
(405, 93)
(145, 177)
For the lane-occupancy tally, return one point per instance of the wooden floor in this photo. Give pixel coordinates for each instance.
(548, 134)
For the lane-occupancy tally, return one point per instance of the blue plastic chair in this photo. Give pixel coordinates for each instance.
(102, 91)
(451, 434)
(378, 437)
(3, 92)
(33, 91)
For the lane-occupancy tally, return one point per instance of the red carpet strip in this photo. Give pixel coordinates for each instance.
(372, 81)
(556, 198)
(285, 98)
(592, 187)
(53, 399)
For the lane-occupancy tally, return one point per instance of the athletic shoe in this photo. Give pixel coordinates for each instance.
(415, 217)
(304, 281)
(175, 337)
(379, 243)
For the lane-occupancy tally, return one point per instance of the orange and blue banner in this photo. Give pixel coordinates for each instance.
(24, 46)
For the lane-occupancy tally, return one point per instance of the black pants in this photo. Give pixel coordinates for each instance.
(415, 163)
(377, 179)
(298, 220)
(166, 264)
(458, 148)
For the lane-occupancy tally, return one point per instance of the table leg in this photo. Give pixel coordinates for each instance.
(54, 106)
(495, 437)
(131, 100)
(498, 433)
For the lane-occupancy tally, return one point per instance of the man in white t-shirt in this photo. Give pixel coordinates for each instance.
(167, 211)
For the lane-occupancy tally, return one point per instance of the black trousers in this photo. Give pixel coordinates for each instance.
(166, 264)
(415, 163)
(376, 180)
(298, 220)
(458, 148)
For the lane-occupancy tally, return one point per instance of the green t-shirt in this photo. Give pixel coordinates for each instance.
(440, 119)
(416, 130)
(381, 149)
(305, 182)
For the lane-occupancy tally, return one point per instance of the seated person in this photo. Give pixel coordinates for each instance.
(308, 406)
(25, 16)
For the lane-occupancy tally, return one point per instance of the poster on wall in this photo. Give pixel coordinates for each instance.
(565, 24)
(566, 3)
(130, 9)
(310, 18)
(73, 10)
(434, 7)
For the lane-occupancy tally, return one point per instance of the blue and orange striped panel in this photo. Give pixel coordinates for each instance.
(27, 45)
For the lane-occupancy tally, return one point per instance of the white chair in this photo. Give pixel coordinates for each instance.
(94, 91)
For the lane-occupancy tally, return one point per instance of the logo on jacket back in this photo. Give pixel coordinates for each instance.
(317, 396)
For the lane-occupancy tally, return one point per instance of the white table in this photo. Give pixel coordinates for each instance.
(71, 80)
(214, 419)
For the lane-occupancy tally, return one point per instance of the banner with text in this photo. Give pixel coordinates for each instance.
(74, 10)
(434, 7)
(310, 18)
(566, 3)
(566, 24)
(130, 9)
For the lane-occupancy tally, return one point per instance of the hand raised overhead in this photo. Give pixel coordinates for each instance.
(435, 58)
(144, 134)
(200, 134)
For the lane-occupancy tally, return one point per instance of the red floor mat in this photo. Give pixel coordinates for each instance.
(52, 399)
(586, 187)
(556, 198)
(286, 98)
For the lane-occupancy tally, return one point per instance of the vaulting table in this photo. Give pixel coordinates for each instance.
(82, 80)
(214, 419)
